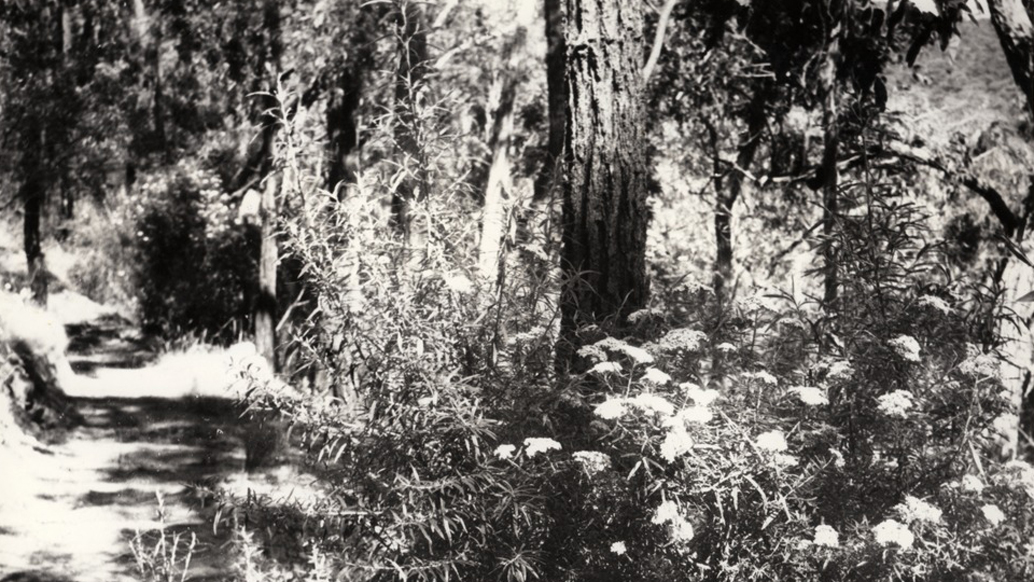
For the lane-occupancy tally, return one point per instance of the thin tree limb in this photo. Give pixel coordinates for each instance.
(658, 39)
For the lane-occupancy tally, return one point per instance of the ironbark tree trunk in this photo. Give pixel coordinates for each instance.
(1015, 32)
(605, 211)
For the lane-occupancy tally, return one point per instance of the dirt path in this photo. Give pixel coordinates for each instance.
(73, 508)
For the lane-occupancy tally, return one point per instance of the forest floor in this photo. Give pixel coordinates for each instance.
(152, 426)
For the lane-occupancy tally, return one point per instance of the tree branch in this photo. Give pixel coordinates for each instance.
(658, 39)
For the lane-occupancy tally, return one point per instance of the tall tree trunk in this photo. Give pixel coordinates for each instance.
(556, 87)
(503, 94)
(726, 197)
(605, 191)
(266, 304)
(33, 194)
(409, 79)
(1015, 32)
(343, 131)
(830, 173)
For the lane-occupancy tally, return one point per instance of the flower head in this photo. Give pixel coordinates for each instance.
(702, 396)
(656, 376)
(682, 339)
(606, 368)
(592, 461)
(972, 484)
(618, 548)
(893, 532)
(458, 284)
(915, 509)
(676, 443)
(611, 409)
(826, 536)
(810, 395)
(934, 302)
(772, 440)
(906, 347)
(535, 445)
(840, 371)
(895, 404)
(504, 451)
(993, 514)
(763, 377)
(665, 512)
(649, 402)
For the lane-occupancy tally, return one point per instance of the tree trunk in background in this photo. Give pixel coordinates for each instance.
(343, 131)
(500, 184)
(149, 57)
(409, 79)
(556, 85)
(33, 194)
(727, 196)
(266, 305)
(1015, 32)
(830, 173)
(605, 191)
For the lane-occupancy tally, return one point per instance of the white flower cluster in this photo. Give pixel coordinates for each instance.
(596, 351)
(606, 368)
(656, 377)
(668, 512)
(810, 395)
(972, 484)
(915, 509)
(993, 514)
(682, 339)
(893, 532)
(592, 461)
(773, 441)
(618, 548)
(644, 314)
(1018, 474)
(978, 365)
(895, 404)
(701, 396)
(906, 347)
(532, 447)
(826, 536)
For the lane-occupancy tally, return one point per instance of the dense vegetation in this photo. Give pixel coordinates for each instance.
(571, 290)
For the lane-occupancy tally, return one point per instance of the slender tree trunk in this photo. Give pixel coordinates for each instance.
(33, 194)
(830, 173)
(343, 131)
(409, 79)
(1015, 32)
(500, 184)
(266, 306)
(605, 211)
(556, 86)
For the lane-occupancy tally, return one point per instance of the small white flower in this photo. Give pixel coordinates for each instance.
(893, 532)
(592, 461)
(915, 509)
(810, 395)
(504, 451)
(1006, 424)
(906, 347)
(972, 484)
(606, 368)
(643, 314)
(665, 512)
(725, 347)
(540, 445)
(682, 530)
(826, 536)
(639, 355)
(896, 404)
(656, 376)
(784, 460)
(682, 339)
(698, 414)
(993, 514)
(649, 402)
(618, 548)
(772, 440)
(611, 409)
(676, 443)
(702, 396)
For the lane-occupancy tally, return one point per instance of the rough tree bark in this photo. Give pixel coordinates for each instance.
(1015, 32)
(33, 193)
(556, 88)
(605, 212)
(409, 79)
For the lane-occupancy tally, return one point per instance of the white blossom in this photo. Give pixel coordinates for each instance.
(772, 440)
(972, 484)
(810, 395)
(649, 402)
(592, 461)
(840, 371)
(895, 404)
(725, 347)
(458, 284)
(643, 314)
(993, 514)
(535, 445)
(611, 409)
(915, 509)
(656, 376)
(676, 443)
(606, 368)
(826, 536)
(838, 458)
(763, 377)
(697, 414)
(665, 512)
(682, 339)
(504, 451)
(701, 396)
(784, 460)
(906, 347)
(618, 548)
(893, 532)
(682, 530)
